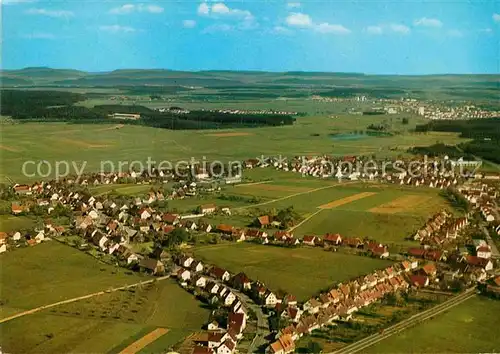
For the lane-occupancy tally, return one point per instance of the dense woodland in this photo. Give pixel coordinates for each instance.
(484, 132)
(60, 106)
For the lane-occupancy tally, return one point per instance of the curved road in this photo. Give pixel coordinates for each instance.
(422, 316)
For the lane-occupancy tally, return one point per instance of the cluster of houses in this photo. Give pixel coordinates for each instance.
(343, 300)
(214, 281)
(440, 229)
(482, 198)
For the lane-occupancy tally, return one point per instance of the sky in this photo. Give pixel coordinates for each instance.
(369, 36)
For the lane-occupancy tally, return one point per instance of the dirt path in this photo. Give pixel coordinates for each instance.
(346, 200)
(37, 309)
(118, 126)
(251, 184)
(8, 148)
(144, 341)
(292, 195)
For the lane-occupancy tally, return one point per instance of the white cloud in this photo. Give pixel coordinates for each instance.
(298, 19)
(454, 33)
(50, 13)
(218, 28)
(222, 10)
(331, 28)
(293, 5)
(189, 23)
(281, 30)
(428, 22)
(486, 30)
(203, 9)
(15, 2)
(39, 35)
(398, 28)
(496, 17)
(130, 8)
(374, 30)
(117, 29)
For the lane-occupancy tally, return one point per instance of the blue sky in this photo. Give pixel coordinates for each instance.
(370, 36)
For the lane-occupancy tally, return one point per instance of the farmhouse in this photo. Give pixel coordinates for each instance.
(151, 266)
(207, 209)
(283, 345)
(220, 273)
(332, 239)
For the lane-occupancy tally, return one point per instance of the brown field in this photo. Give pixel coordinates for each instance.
(346, 200)
(222, 135)
(8, 148)
(144, 341)
(82, 143)
(401, 204)
(273, 187)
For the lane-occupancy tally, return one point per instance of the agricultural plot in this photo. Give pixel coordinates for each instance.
(302, 272)
(111, 322)
(88, 145)
(51, 272)
(471, 327)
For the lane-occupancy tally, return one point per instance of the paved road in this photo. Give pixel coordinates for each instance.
(494, 249)
(37, 309)
(422, 316)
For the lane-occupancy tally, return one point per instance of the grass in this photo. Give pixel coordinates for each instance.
(471, 327)
(88, 145)
(51, 272)
(15, 223)
(301, 271)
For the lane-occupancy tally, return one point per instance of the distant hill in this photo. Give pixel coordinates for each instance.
(42, 76)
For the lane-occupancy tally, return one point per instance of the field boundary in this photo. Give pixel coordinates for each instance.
(144, 341)
(346, 200)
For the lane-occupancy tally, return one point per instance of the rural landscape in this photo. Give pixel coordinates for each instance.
(200, 210)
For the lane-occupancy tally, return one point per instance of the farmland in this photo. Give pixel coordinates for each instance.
(470, 327)
(108, 322)
(302, 272)
(87, 145)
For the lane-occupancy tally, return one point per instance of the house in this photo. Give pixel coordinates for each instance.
(312, 305)
(186, 261)
(17, 209)
(429, 269)
(207, 209)
(171, 219)
(416, 252)
(237, 322)
(16, 236)
(220, 273)
(151, 266)
(242, 282)
(270, 299)
(263, 220)
(483, 252)
(419, 281)
(309, 240)
(199, 281)
(199, 349)
(3, 248)
(3, 238)
(145, 213)
(225, 229)
(292, 313)
(332, 239)
(183, 274)
(213, 288)
(40, 236)
(283, 345)
(213, 326)
(227, 347)
(483, 263)
(229, 298)
(379, 251)
(197, 266)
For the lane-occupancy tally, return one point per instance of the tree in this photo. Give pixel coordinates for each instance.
(176, 237)
(314, 347)
(405, 121)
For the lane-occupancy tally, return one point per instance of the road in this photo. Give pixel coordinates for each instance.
(416, 319)
(262, 323)
(37, 309)
(494, 249)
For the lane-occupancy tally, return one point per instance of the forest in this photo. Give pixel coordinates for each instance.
(60, 106)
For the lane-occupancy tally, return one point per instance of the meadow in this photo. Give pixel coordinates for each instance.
(471, 327)
(90, 145)
(51, 272)
(302, 272)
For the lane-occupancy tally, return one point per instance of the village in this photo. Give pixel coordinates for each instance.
(449, 258)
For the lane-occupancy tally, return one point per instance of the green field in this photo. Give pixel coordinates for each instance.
(51, 272)
(471, 327)
(15, 223)
(88, 145)
(302, 272)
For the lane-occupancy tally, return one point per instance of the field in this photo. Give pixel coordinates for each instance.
(51, 272)
(471, 327)
(302, 272)
(86, 146)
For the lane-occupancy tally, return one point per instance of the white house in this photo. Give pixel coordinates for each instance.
(270, 299)
(184, 274)
(229, 299)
